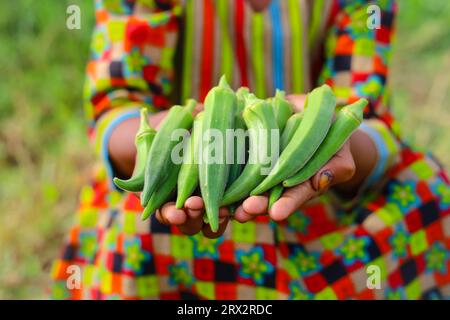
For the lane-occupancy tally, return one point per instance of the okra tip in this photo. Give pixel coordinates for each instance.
(241, 95)
(324, 87)
(190, 105)
(144, 112)
(356, 109)
(144, 124)
(250, 99)
(146, 213)
(242, 92)
(305, 104)
(200, 115)
(145, 197)
(117, 182)
(214, 225)
(320, 90)
(179, 203)
(280, 94)
(223, 83)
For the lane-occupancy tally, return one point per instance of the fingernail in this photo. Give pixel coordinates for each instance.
(325, 180)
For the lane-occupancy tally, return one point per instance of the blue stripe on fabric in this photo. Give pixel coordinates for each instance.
(382, 151)
(277, 44)
(105, 140)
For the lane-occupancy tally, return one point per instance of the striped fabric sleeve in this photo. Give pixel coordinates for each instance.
(105, 126)
(388, 148)
(130, 64)
(356, 66)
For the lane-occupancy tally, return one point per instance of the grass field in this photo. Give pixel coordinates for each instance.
(43, 154)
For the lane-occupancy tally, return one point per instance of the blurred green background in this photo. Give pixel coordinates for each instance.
(44, 159)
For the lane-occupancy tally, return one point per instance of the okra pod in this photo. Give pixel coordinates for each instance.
(282, 108)
(165, 190)
(143, 141)
(220, 110)
(289, 130)
(260, 121)
(239, 125)
(236, 166)
(347, 121)
(275, 194)
(241, 95)
(159, 162)
(306, 140)
(188, 175)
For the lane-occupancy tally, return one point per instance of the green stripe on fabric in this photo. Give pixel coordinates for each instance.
(295, 20)
(188, 47)
(316, 20)
(105, 121)
(258, 53)
(387, 137)
(227, 53)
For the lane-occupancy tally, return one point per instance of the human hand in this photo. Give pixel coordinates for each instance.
(339, 170)
(346, 170)
(190, 219)
(122, 151)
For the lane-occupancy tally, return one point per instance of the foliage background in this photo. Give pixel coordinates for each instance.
(43, 156)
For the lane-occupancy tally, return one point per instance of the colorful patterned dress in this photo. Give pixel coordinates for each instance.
(390, 242)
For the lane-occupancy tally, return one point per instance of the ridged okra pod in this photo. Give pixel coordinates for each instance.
(347, 121)
(220, 110)
(282, 108)
(306, 140)
(291, 126)
(260, 121)
(143, 141)
(164, 192)
(159, 162)
(238, 144)
(188, 175)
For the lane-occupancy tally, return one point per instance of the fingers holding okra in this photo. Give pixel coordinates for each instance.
(209, 168)
(190, 218)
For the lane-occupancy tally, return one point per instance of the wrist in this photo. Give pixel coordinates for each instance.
(365, 156)
(121, 148)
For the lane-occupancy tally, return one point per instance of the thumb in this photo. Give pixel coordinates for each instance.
(340, 169)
